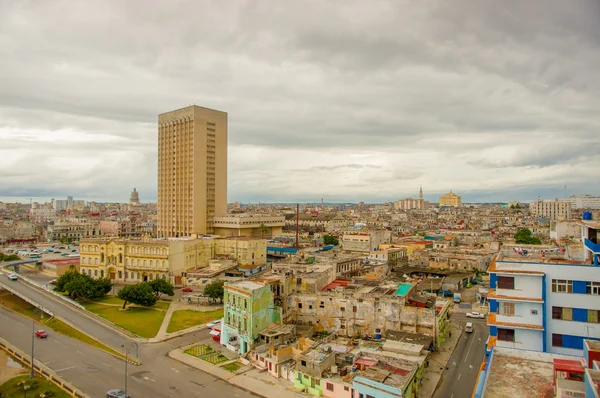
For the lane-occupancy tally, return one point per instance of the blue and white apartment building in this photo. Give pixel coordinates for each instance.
(545, 307)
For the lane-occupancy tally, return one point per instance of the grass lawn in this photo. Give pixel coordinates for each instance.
(113, 300)
(144, 322)
(24, 308)
(184, 319)
(199, 350)
(232, 367)
(215, 358)
(36, 386)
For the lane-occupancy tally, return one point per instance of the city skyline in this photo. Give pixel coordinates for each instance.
(349, 111)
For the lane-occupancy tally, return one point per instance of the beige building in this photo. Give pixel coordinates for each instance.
(450, 200)
(552, 209)
(411, 204)
(134, 260)
(252, 225)
(192, 171)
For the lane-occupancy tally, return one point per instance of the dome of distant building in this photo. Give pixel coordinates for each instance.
(134, 199)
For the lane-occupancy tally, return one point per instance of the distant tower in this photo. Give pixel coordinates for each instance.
(421, 193)
(134, 199)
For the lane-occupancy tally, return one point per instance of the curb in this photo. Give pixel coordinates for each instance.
(451, 353)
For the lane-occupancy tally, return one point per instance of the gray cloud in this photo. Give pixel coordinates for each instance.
(343, 99)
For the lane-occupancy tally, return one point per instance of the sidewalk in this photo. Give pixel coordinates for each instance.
(254, 381)
(176, 305)
(438, 362)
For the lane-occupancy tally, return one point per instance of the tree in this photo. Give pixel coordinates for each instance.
(525, 236)
(82, 285)
(140, 294)
(9, 257)
(161, 286)
(215, 290)
(330, 240)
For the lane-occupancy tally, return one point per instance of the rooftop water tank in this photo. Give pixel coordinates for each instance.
(587, 215)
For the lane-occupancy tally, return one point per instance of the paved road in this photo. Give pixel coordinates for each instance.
(95, 372)
(459, 380)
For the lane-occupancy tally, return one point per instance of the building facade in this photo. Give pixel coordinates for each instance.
(192, 171)
(249, 309)
(552, 209)
(584, 202)
(450, 200)
(543, 306)
(252, 225)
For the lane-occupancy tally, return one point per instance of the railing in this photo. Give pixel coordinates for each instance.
(42, 369)
(30, 301)
(593, 247)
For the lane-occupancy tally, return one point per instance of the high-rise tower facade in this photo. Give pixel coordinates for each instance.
(192, 170)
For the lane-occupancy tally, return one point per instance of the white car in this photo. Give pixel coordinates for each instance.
(475, 315)
(13, 277)
(213, 324)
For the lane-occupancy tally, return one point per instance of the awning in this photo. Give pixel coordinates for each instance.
(215, 332)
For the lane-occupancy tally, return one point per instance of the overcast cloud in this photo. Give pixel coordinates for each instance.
(341, 100)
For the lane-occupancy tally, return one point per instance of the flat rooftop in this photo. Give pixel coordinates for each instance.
(520, 374)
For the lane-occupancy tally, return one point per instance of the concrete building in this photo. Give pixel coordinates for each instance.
(584, 202)
(134, 260)
(552, 209)
(549, 307)
(249, 309)
(192, 171)
(366, 242)
(66, 204)
(252, 225)
(450, 200)
(411, 204)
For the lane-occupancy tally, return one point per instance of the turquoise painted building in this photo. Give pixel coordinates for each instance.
(248, 310)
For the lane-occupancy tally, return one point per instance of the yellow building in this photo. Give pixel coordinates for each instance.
(252, 225)
(141, 260)
(192, 171)
(450, 200)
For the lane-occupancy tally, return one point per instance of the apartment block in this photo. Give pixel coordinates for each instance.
(192, 171)
(549, 307)
(249, 309)
(552, 209)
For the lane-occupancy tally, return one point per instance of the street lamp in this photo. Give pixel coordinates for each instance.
(126, 349)
(35, 311)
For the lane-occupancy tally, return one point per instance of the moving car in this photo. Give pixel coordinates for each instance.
(469, 327)
(53, 282)
(475, 315)
(13, 277)
(187, 289)
(116, 394)
(41, 334)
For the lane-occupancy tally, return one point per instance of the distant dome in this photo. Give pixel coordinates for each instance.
(134, 199)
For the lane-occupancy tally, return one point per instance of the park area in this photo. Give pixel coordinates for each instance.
(142, 321)
(23, 386)
(184, 319)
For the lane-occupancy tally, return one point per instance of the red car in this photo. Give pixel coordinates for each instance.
(187, 289)
(53, 282)
(41, 334)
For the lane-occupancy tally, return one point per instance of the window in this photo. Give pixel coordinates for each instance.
(508, 308)
(557, 312)
(353, 308)
(322, 305)
(592, 316)
(506, 282)
(342, 309)
(303, 363)
(562, 286)
(567, 314)
(506, 334)
(299, 305)
(593, 288)
(346, 388)
(556, 340)
(310, 307)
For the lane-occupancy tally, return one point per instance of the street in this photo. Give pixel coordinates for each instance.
(459, 379)
(95, 371)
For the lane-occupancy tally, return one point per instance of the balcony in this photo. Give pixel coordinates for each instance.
(591, 246)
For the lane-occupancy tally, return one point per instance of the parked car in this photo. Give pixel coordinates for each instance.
(116, 394)
(53, 282)
(13, 277)
(41, 334)
(64, 254)
(475, 315)
(213, 324)
(187, 289)
(56, 252)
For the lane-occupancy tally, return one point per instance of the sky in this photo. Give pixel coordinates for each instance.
(342, 100)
